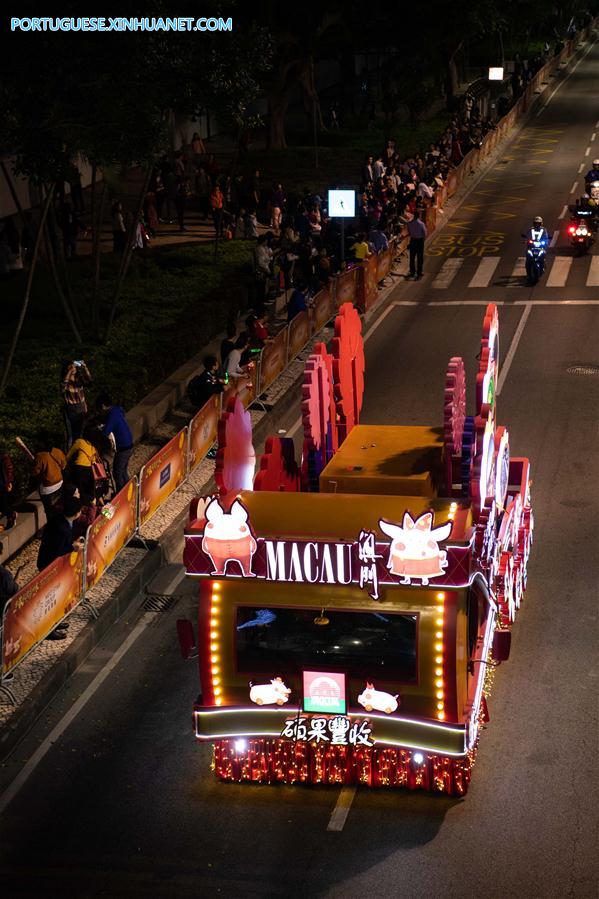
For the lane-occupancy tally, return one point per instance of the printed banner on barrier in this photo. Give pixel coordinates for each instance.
(162, 475)
(203, 429)
(299, 331)
(110, 532)
(323, 309)
(367, 284)
(244, 388)
(273, 359)
(383, 264)
(34, 611)
(345, 287)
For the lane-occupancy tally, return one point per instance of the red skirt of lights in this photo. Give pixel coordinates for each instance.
(281, 761)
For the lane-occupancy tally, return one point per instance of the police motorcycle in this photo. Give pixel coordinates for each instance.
(591, 181)
(537, 241)
(581, 233)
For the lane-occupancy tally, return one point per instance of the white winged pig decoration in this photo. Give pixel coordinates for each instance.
(414, 552)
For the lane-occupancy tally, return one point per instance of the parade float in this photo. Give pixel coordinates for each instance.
(352, 607)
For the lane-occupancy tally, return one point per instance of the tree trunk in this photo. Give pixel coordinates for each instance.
(127, 253)
(12, 191)
(97, 257)
(277, 108)
(311, 98)
(27, 295)
(71, 311)
(70, 317)
(451, 79)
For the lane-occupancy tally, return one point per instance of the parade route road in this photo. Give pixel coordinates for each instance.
(123, 803)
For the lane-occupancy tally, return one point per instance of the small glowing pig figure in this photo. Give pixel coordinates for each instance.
(415, 549)
(228, 538)
(269, 694)
(378, 700)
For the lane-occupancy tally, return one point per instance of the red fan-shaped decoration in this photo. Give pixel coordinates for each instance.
(332, 445)
(278, 468)
(454, 416)
(316, 401)
(488, 368)
(235, 458)
(348, 368)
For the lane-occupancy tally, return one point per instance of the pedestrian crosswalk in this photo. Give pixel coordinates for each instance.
(497, 271)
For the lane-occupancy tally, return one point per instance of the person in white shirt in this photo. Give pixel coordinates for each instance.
(379, 168)
(233, 365)
(424, 190)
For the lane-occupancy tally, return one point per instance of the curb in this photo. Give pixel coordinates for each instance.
(53, 681)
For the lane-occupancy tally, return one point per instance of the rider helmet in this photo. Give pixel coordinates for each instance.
(596, 163)
(537, 220)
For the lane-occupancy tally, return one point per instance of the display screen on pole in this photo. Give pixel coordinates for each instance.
(342, 203)
(495, 73)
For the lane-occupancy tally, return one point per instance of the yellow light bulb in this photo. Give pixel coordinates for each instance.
(218, 701)
(214, 647)
(440, 596)
(438, 672)
(441, 716)
(215, 659)
(440, 705)
(439, 635)
(438, 647)
(439, 622)
(439, 694)
(217, 691)
(438, 660)
(216, 681)
(214, 635)
(438, 683)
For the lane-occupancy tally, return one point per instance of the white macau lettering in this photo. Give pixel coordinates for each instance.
(275, 560)
(327, 575)
(310, 560)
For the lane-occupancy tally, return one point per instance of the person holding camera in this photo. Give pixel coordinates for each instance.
(74, 376)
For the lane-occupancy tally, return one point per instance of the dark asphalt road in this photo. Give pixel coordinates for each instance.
(124, 803)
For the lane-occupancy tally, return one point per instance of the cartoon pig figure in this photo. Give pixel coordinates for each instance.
(378, 700)
(227, 537)
(414, 551)
(269, 694)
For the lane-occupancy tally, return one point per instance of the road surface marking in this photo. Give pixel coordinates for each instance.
(513, 347)
(593, 136)
(447, 273)
(341, 810)
(519, 272)
(559, 271)
(563, 212)
(555, 238)
(574, 186)
(57, 731)
(580, 168)
(587, 151)
(563, 81)
(485, 271)
(593, 275)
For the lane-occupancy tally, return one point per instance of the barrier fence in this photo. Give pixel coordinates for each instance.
(50, 597)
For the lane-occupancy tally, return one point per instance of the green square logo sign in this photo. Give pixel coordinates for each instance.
(324, 692)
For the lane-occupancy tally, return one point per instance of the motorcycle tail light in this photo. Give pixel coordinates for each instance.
(572, 229)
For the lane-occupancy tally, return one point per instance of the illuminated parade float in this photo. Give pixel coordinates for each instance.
(352, 608)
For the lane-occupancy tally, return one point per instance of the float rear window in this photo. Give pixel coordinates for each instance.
(365, 644)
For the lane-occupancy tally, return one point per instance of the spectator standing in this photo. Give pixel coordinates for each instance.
(6, 486)
(228, 343)
(119, 433)
(417, 233)
(47, 473)
(75, 375)
(203, 188)
(262, 271)
(360, 248)
(206, 384)
(297, 302)
(251, 226)
(277, 205)
(216, 204)
(379, 167)
(57, 540)
(197, 147)
(368, 171)
(119, 231)
(80, 460)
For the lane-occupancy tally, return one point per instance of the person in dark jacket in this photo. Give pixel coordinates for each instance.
(206, 384)
(57, 536)
(119, 433)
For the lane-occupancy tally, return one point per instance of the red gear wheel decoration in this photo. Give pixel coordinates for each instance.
(348, 368)
(316, 401)
(278, 468)
(488, 369)
(235, 457)
(454, 416)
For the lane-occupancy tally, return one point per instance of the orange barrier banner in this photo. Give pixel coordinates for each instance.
(243, 387)
(34, 611)
(299, 332)
(273, 360)
(345, 287)
(383, 264)
(367, 284)
(323, 308)
(162, 475)
(203, 431)
(110, 532)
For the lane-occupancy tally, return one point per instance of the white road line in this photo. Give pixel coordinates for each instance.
(447, 273)
(513, 347)
(593, 275)
(57, 731)
(574, 186)
(341, 810)
(555, 238)
(559, 271)
(593, 136)
(580, 168)
(563, 81)
(519, 272)
(563, 212)
(485, 271)
(587, 151)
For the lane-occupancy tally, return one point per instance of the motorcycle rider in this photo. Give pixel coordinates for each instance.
(592, 174)
(538, 233)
